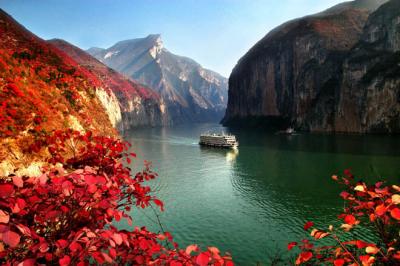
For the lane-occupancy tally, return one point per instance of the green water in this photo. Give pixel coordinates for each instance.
(253, 202)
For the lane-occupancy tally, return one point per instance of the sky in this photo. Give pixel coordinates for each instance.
(215, 33)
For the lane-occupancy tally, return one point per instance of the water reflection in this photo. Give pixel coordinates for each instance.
(229, 154)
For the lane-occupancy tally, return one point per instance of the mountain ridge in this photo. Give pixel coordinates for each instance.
(140, 106)
(192, 93)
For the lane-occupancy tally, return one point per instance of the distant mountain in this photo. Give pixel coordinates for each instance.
(192, 93)
(323, 73)
(139, 105)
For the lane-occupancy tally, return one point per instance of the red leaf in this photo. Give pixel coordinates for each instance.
(308, 225)
(65, 261)
(365, 259)
(106, 257)
(350, 219)
(303, 257)
(380, 210)
(62, 243)
(159, 203)
(361, 244)
(74, 247)
(6, 190)
(344, 194)
(24, 229)
(92, 188)
(113, 253)
(44, 247)
(395, 213)
(90, 180)
(339, 262)
(143, 244)
(117, 238)
(17, 180)
(11, 238)
(203, 259)
(291, 245)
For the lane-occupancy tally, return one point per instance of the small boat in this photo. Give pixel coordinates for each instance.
(288, 131)
(219, 140)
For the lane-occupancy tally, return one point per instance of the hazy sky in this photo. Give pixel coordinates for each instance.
(215, 33)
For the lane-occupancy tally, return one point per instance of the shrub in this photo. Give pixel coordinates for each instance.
(376, 207)
(65, 216)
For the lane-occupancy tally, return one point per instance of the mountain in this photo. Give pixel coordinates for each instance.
(42, 89)
(192, 93)
(38, 79)
(310, 74)
(138, 105)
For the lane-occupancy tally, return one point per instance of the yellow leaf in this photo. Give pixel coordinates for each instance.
(4, 217)
(346, 227)
(191, 248)
(318, 234)
(359, 188)
(371, 250)
(396, 187)
(395, 198)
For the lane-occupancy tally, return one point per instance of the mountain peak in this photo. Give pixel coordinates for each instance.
(155, 43)
(154, 37)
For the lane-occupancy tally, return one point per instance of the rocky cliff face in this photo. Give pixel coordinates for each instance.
(128, 103)
(191, 93)
(369, 95)
(312, 73)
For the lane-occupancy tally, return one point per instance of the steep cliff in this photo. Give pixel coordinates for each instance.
(192, 93)
(370, 89)
(129, 103)
(41, 89)
(316, 73)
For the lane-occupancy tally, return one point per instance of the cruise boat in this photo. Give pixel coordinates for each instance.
(288, 131)
(219, 140)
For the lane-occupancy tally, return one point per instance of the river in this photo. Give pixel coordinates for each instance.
(252, 202)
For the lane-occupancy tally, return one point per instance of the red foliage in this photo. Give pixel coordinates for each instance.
(377, 206)
(124, 88)
(66, 215)
(36, 80)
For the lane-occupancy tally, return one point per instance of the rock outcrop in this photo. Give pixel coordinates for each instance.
(191, 93)
(328, 72)
(128, 103)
